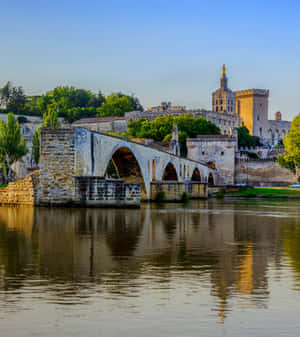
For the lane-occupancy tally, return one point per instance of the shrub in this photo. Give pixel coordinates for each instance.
(160, 196)
(185, 197)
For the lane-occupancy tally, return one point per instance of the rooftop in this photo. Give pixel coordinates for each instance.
(99, 120)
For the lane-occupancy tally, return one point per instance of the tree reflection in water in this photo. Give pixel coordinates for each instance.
(231, 244)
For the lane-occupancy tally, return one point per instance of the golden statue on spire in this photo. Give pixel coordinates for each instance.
(223, 71)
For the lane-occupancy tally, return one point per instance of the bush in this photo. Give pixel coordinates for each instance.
(185, 197)
(160, 196)
(253, 155)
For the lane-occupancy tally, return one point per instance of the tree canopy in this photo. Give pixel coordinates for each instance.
(50, 118)
(245, 139)
(13, 98)
(161, 128)
(71, 103)
(291, 159)
(12, 144)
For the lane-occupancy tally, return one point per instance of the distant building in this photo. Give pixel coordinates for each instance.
(167, 106)
(103, 124)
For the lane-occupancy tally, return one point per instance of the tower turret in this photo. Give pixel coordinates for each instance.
(223, 79)
(223, 99)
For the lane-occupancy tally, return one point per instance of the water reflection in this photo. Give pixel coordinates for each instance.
(227, 248)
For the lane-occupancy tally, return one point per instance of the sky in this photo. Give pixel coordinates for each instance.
(157, 50)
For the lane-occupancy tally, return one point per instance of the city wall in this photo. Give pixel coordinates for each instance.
(262, 173)
(21, 192)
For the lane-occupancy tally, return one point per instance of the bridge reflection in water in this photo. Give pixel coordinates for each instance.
(221, 248)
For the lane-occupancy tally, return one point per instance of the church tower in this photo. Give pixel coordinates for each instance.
(223, 99)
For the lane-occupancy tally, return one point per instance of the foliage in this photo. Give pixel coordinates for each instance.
(111, 171)
(161, 128)
(13, 98)
(50, 118)
(252, 155)
(35, 151)
(160, 196)
(115, 105)
(286, 161)
(12, 145)
(245, 139)
(71, 103)
(267, 192)
(291, 159)
(185, 197)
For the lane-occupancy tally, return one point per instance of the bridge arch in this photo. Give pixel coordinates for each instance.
(170, 173)
(211, 179)
(127, 166)
(196, 176)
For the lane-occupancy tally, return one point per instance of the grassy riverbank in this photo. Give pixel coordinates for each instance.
(266, 192)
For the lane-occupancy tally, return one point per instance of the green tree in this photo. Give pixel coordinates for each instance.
(245, 139)
(291, 159)
(35, 151)
(50, 118)
(12, 144)
(161, 128)
(135, 103)
(5, 93)
(13, 98)
(115, 106)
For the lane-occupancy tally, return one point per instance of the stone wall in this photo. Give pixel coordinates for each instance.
(217, 150)
(21, 192)
(57, 166)
(262, 173)
(174, 190)
(101, 192)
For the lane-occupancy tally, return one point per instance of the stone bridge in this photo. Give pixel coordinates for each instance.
(67, 153)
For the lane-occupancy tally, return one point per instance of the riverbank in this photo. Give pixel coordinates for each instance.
(266, 192)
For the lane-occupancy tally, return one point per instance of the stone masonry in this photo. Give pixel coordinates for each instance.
(57, 166)
(21, 192)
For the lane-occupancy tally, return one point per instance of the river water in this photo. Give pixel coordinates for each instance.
(208, 268)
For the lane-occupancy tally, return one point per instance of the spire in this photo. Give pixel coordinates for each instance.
(223, 71)
(223, 79)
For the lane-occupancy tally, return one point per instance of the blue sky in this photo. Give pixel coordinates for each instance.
(158, 50)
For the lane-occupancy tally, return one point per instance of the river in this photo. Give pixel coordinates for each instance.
(207, 268)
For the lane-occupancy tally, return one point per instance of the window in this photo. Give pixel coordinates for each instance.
(258, 117)
(203, 153)
(222, 153)
(217, 109)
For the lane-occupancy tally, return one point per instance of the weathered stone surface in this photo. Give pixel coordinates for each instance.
(100, 192)
(262, 173)
(174, 190)
(21, 192)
